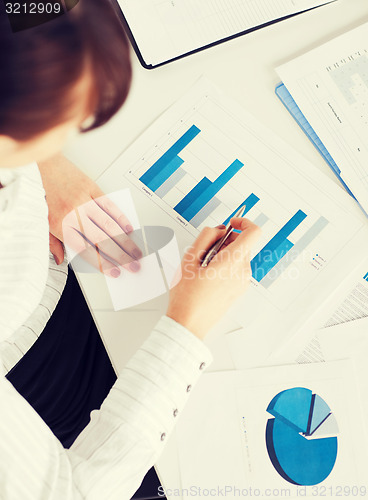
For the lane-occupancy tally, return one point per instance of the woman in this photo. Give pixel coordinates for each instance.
(54, 77)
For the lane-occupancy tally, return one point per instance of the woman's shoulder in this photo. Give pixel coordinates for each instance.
(24, 245)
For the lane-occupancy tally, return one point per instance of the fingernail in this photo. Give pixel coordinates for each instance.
(128, 228)
(115, 272)
(137, 254)
(134, 266)
(56, 259)
(221, 226)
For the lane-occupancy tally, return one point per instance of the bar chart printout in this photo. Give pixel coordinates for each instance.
(201, 201)
(310, 227)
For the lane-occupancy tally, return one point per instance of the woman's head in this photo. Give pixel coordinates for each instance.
(54, 76)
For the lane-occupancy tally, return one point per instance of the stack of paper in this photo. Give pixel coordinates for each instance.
(330, 87)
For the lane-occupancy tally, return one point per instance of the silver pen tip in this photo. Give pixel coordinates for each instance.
(240, 212)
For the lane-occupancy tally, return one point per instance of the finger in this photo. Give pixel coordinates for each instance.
(76, 241)
(238, 246)
(94, 257)
(111, 229)
(108, 248)
(249, 235)
(105, 204)
(241, 223)
(231, 239)
(124, 251)
(57, 249)
(79, 233)
(207, 238)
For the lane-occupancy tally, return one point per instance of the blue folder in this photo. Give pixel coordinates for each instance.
(288, 101)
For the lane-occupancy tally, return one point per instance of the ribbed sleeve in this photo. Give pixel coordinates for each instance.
(124, 438)
(23, 246)
(137, 417)
(14, 347)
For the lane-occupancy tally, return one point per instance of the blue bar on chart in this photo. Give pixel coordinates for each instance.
(298, 248)
(166, 172)
(270, 260)
(208, 191)
(169, 162)
(248, 202)
(199, 188)
(276, 248)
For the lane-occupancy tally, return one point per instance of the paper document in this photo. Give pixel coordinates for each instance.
(349, 304)
(204, 158)
(166, 29)
(355, 304)
(349, 340)
(330, 86)
(286, 428)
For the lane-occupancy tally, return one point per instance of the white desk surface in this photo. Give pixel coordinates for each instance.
(244, 69)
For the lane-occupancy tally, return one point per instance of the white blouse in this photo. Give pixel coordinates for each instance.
(125, 437)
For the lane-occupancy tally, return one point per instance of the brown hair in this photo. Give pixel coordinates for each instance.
(40, 66)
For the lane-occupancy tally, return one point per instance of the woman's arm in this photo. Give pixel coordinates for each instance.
(125, 437)
(98, 221)
(135, 420)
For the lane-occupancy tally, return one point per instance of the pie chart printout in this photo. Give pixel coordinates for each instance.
(301, 439)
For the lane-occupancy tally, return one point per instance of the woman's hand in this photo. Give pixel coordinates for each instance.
(203, 295)
(86, 219)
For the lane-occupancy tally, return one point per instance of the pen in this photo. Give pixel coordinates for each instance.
(217, 246)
